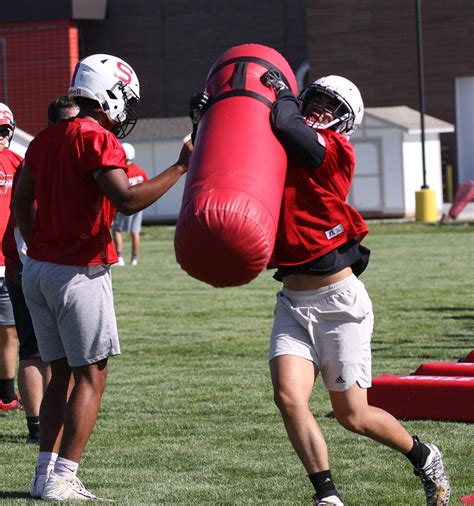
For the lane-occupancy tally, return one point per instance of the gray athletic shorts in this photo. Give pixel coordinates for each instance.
(72, 309)
(124, 223)
(6, 310)
(332, 327)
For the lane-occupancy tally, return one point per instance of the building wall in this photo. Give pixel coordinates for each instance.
(373, 43)
(173, 44)
(37, 63)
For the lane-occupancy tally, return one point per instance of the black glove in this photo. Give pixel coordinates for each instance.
(272, 79)
(197, 105)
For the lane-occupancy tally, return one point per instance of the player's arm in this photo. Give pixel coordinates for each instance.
(298, 139)
(23, 204)
(130, 199)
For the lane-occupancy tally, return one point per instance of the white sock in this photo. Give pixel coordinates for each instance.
(46, 461)
(65, 468)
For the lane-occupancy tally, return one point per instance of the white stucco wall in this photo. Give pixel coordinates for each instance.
(154, 157)
(413, 173)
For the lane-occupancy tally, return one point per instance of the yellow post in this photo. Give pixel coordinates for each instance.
(450, 182)
(425, 201)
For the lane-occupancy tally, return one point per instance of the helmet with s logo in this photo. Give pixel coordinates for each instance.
(112, 83)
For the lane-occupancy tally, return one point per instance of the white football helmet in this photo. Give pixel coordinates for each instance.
(337, 96)
(6, 119)
(129, 151)
(111, 82)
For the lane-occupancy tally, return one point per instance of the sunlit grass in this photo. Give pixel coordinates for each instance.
(188, 416)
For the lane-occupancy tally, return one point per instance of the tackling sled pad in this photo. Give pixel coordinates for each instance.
(446, 369)
(229, 214)
(424, 397)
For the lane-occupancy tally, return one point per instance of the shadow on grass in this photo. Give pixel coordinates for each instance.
(14, 495)
(453, 311)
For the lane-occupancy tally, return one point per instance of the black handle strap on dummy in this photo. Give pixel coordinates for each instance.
(239, 78)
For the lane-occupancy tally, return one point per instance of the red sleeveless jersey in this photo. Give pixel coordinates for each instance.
(315, 217)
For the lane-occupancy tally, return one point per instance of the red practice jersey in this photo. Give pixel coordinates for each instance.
(315, 217)
(9, 163)
(136, 175)
(9, 247)
(73, 216)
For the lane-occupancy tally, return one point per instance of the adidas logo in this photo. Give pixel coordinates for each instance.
(340, 380)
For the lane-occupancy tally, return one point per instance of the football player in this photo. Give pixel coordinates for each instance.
(9, 163)
(132, 223)
(77, 172)
(323, 317)
(33, 373)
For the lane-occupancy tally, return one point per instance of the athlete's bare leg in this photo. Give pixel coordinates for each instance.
(135, 243)
(82, 409)
(293, 380)
(354, 413)
(33, 378)
(8, 350)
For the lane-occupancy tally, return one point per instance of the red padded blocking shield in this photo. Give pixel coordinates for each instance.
(424, 397)
(231, 202)
(446, 369)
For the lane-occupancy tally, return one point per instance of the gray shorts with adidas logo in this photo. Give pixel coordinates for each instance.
(332, 327)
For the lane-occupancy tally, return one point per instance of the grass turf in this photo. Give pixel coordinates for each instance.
(187, 415)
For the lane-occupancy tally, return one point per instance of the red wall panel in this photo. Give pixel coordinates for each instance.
(40, 58)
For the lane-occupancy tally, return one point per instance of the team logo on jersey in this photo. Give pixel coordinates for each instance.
(337, 230)
(6, 181)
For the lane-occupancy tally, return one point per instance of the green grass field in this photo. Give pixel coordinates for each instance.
(188, 417)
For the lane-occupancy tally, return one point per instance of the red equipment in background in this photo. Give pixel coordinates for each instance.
(469, 357)
(425, 397)
(435, 391)
(231, 202)
(464, 195)
(446, 369)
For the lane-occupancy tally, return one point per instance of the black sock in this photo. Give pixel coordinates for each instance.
(33, 423)
(323, 484)
(7, 390)
(418, 454)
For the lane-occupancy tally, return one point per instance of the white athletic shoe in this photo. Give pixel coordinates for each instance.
(134, 262)
(435, 481)
(332, 500)
(58, 488)
(38, 483)
(120, 263)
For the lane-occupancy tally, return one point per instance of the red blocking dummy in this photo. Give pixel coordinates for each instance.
(424, 397)
(231, 202)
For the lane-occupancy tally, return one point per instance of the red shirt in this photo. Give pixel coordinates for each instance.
(9, 247)
(9, 163)
(73, 216)
(136, 175)
(315, 217)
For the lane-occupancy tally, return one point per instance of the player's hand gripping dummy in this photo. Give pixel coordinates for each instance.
(231, 203)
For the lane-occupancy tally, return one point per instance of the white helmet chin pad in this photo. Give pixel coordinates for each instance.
(112, 83)
(346, 102)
